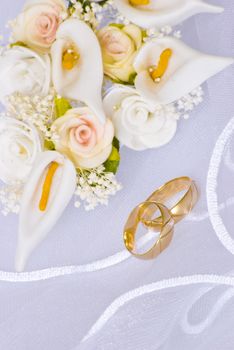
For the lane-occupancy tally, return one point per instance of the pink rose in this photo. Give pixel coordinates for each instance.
(83, 138)
(37, 25)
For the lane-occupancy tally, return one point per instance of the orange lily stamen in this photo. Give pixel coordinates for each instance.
(139, 2)
(47, 185)
(70, 59)
(158, 71)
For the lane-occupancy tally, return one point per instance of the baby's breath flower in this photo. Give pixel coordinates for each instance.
(10, 197)
(87, 13)
(153, 33)
(94, 187)
(189, 102)
(36, 110)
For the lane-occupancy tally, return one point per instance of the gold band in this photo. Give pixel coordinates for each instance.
(166, 192)
(164, 223)
(166, 229)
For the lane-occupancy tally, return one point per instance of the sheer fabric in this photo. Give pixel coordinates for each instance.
(82, 290)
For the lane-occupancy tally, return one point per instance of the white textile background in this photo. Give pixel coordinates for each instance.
(96, 297)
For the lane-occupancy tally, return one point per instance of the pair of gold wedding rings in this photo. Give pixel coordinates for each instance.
(182, 187)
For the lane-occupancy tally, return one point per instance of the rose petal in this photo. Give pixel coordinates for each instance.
(94, 161)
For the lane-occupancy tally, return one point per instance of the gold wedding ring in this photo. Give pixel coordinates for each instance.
(166, 229)
(165, 193)
(186, 193)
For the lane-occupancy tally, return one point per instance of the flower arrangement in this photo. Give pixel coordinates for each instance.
(79, 79)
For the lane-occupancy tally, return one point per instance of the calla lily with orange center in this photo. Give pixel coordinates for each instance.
(48, 191)
(158, 13)
(77, 68)
(167, 69)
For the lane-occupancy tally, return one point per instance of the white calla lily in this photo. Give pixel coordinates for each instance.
(77, 66)
(48, 191)
(167, 69)
(158, 13)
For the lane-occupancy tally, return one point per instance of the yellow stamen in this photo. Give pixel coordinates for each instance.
(70, 59)
(47, 186)
(139, 2)
(158, 72)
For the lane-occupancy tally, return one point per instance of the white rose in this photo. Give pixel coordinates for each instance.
(138, 124)
(23, 70)
(19, 146)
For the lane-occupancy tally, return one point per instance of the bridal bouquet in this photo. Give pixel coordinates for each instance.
(79, 79)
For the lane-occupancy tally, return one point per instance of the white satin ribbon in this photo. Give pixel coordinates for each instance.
(212, 184)
(53, 272)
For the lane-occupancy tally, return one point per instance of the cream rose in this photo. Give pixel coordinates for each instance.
(138, 124)
(19, 145)
(23, 70)
(119, 47)
(37, 25)
(83, 138)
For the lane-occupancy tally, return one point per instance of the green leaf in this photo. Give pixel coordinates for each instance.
(18, 43)
(132, 78)
(102, 3)
(62, 105)
(112, 163)
(117, 25)
(115, 143)
(130, 81)
(49, 145)
(117, 81)
(144, 34)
